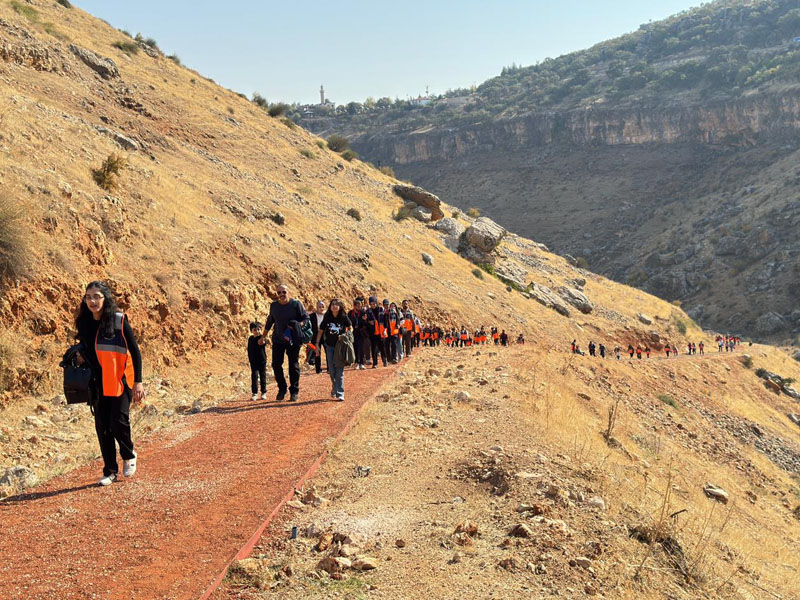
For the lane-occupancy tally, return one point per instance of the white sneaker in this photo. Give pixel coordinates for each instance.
(254, 397)
(107, 480)
(129, 467)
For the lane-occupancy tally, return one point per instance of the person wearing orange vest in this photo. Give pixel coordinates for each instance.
(464, 336)
(495, 336)
(110, 349)
(377, 331)
(392, 324)
(408, 328)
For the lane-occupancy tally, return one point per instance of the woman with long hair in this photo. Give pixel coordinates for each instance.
(334, 323)
(109, 347)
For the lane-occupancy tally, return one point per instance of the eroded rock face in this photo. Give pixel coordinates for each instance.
(105, 67)
(422, 198)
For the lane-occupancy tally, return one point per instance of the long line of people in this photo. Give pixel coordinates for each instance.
(729, 342)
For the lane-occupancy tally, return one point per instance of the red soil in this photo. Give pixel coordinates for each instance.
(202, 490)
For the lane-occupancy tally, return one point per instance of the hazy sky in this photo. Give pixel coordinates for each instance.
(285, 50)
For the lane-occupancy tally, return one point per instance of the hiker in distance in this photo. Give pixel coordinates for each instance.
(334, 323)
(285, 316)
(110, 349)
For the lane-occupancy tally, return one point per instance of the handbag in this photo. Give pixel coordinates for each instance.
(77, 378)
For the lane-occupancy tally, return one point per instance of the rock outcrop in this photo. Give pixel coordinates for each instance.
(545, 296)
(422, 198)
(105, 67)
(576, 298)
(480, 240)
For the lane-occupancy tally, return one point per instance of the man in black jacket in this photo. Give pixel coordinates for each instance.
(375, 322)
(358, 317)
(284, 314)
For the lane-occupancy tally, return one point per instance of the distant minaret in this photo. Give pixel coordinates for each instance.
(321, 95)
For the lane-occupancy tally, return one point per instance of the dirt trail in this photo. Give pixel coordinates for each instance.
(202, 490)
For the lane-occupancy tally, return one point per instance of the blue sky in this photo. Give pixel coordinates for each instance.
(285, 50)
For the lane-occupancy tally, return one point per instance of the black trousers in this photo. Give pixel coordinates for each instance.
(391, 348)
(362, 347)
(378, 347)
(256, 372)
(293, 354)
(113, 425)
(408, 342)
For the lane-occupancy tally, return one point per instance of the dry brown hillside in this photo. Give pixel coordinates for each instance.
(219, 202)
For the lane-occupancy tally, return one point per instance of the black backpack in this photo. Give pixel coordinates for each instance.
(77, 378)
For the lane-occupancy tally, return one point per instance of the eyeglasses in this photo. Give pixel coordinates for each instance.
(93, 298)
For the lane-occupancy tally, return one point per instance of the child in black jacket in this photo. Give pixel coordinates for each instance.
(257, 355)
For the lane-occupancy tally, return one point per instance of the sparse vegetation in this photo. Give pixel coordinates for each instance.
(176, 59)
(338, 143)
(277, 218)
(456, 214)
(388, 171)
(761, 372)
(51, 29)
(25, 10)
(478, 273)
(680, 324)
(106, 175)
(355, 213)
(581, 262)
(307, 153)
(64, 3)
(289, 123)
(747, 361)
(669, 400)
(129, 48)
(474, 213)
(7, 354)
(260, 101)
(321, 144)
(231, 110)
(278, 109)
(349, 155)
(149, 42)
(13, 249)
(402, 214)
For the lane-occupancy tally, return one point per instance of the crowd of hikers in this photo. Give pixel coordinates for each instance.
(728, 342)
(368, 333)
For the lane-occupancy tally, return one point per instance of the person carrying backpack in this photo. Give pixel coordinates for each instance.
(109, 348)
(334, 324)
(286, 315)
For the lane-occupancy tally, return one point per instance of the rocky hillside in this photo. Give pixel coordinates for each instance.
(664, 159)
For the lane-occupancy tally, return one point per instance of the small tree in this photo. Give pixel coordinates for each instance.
(338, 143)
(106, 175)
(278, 109)
(259, 100)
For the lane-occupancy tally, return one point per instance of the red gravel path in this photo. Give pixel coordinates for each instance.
(202, 489)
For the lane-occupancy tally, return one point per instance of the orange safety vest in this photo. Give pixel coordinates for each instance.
(115, 359)
(435, 335)
(380, 328)
(408, 324)
(464, 336)
(393, 328)
(495, 336)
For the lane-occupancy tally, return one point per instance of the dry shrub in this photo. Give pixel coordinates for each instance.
(106, 175)
(7, 355)
(13, 246)
(355, 213)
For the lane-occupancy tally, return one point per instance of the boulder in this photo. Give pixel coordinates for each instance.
(773, 385)
(545, 296)
(571, 260)
(484, 235)
(365, 563)
(19, 477)
(422, 198)
(794, 418)
(576, 298)
(512, 272)
(427, 258)
(796, 355)
(422, 214)
(125, 143)
(791, 392)
(769, 323)
(449, 226)
(716, 492)
(521, 530)
(105, 67)
(643, 318)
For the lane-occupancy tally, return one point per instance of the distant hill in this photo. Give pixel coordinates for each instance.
(664, 158)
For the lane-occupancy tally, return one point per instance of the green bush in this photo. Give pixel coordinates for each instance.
(402, 214)
(349, 155)
(747, 361)
(338, 143)
(681, 325)
(761, 372)
(321, 144)
(456, 214)
(64, 3)
(307, 153)
(176, 59)
(388, 171)
(278, 109)
(355, 213)
(478, 273)
(669, 400)
(289, 123)
(26, 11)
(581, 263)
(106, 175)
(259, 100)
(129, 48)
(474, 213)
(13, 249)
